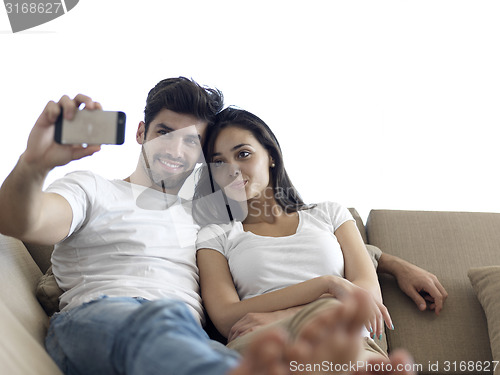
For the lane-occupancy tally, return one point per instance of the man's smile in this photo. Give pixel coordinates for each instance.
(169, 164)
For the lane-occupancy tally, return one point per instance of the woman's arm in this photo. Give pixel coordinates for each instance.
(358, 268)
(223, 303)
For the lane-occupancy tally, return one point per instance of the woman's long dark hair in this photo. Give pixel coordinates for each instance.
(210, 208)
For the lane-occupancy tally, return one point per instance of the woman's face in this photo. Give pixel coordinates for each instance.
(241, 164)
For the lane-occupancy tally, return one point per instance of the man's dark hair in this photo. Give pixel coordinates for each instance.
(185, 96)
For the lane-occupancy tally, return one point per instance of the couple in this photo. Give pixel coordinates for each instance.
(125, 254)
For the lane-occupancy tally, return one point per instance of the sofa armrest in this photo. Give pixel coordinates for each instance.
(20, 353)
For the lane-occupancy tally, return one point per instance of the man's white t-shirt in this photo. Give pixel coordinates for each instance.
(262, 264)
(125, 240)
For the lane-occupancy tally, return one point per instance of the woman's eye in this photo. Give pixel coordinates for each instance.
(243, 154)
(217, 163)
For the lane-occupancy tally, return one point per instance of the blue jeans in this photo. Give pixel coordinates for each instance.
(121, 335)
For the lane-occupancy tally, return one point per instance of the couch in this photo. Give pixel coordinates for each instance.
(462, 249)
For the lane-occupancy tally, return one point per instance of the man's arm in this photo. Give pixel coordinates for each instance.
(27, 212)
(419, 284)
(30, 214)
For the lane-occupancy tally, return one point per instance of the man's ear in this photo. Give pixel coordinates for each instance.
(140, 136)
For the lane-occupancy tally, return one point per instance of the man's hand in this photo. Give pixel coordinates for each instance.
(27, 212)
(42, 152)
(420, 285)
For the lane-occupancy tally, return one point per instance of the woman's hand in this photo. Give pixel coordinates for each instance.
(251, 321)
(343, 290)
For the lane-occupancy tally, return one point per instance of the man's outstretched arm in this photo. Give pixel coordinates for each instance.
(27, 212)
(420, 285)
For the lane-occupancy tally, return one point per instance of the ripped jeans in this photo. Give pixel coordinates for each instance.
(122, 335)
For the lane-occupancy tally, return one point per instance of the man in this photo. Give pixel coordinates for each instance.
(125, 253)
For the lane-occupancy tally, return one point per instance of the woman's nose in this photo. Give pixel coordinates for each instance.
(234, 170)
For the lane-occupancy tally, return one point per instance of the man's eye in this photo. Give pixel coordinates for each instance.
(192, 141)
(163, 132)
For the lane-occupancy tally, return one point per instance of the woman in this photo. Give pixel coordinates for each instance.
(264, 249)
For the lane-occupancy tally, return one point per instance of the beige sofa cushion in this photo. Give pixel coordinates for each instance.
(486, 284)
(18, 279)
(447, 244)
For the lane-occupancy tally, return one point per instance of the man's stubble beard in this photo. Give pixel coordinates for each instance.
(163, 181)
(170, 182)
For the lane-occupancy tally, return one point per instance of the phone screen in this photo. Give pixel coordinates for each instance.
(91, 128)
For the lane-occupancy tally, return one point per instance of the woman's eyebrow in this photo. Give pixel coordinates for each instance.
(240, 145)
(232, 149)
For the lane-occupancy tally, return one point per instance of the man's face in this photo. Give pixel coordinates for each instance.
(171, 148)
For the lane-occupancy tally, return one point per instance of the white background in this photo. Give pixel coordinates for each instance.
(377, 104)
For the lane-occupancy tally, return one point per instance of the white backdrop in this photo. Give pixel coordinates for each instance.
(377, 104)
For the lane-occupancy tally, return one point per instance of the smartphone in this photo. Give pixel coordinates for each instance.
(91, 128)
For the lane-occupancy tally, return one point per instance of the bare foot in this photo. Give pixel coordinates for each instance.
(331, 341)
(265, 355)
(328, 344)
